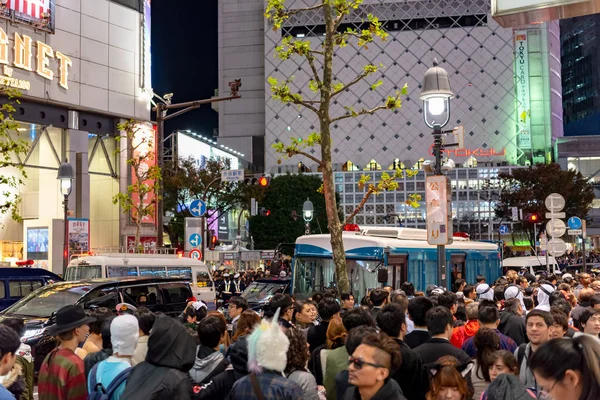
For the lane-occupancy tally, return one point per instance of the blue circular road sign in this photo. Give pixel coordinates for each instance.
(574, 223)
(198, 208)
(503, 229)
(195, 239)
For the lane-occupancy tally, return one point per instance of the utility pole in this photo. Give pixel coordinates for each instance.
(161, 110)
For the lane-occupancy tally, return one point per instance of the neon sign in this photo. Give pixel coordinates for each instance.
(480, 152)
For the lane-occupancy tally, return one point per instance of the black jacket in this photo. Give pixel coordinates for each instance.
(435, 348)
(221, 385)
(513, 326)
(389, 391)
(416, 338)
(164, 374)
(317, 335)
(411, 376)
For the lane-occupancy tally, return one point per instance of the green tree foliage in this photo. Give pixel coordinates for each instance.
(285, 195)
(140, 150)
(11, 148)
(527, 188)
(185, 181)
(322, 91)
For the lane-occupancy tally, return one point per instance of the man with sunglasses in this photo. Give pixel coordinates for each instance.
(369, 369)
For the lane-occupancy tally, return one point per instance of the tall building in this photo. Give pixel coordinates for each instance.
(507, 85)
(580, 75)
(82, 66)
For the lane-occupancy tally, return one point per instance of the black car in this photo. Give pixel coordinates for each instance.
(259, 292)
(167, 295)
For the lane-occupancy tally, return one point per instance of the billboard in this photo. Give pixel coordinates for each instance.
(515, 13)
(38, 239)
(522, 90)
(79, 236)
(39, 13)
(188, 146)
(143, 144)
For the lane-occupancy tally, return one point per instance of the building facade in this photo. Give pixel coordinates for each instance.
(82, 66)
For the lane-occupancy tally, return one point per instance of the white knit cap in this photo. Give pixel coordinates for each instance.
(124, 334)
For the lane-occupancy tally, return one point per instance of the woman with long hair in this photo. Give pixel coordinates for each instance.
(486, 342)
(246, 323)
(448, 383)
(504, 375)
(568, 369)
(297, 358)
(336, 334)
(226, 342)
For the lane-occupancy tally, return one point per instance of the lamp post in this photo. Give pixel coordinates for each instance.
(308, 212)
(436, 95)
(65, 176)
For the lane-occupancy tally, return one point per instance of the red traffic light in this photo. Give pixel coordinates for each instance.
(534, 217)
(264, 181)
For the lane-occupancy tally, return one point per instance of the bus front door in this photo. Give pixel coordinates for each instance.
(397, 270)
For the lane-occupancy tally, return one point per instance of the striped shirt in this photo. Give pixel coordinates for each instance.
(62, 377)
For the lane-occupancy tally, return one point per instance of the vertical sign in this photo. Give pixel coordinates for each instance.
(522, 88)
(439, 231)
(146, 73)
(79, 236)
(223, 231)
(144, 143)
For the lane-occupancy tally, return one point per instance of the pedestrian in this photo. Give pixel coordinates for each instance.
(583, 303)
(209, 360)
(538, 332)
(335, 339)
(194, 313)
(62, 374)
(489, 318)
(504, 376)
(370, 368)
(146, 320)
(512, 323)
(110, 376)
(417, 310)
(347, 301)
(305, 314)
(589, 322)
(568, 369)
(19, 381)
(484, 291)
(448, 382)
(317, 335)
(245, 324)
(267, 359)
(164, 373)
(285, 304)
(93, 343)
(9, 344)
(461, 333)
(237, 305)
(560, 326)
(297, 358)
(543, 296)
(486, 342)
(226, 341)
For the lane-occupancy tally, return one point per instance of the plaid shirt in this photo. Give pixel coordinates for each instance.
(506, 343)
(273, 386)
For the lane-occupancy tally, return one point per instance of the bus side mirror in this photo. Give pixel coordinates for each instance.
(382, 275)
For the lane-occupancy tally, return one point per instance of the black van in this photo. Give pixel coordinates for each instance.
(167, 295)
(16, 283)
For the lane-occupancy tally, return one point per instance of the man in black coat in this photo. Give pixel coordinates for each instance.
(417, 309)
(440, 326)
(512, 323)
(411, 376)
(317, 335)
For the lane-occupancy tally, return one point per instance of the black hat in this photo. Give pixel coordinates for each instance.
(69, 318)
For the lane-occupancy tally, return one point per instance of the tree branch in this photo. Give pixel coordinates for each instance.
(302, 153)
(359, 207)
(358, 114)
(311, 62)
(359, 78)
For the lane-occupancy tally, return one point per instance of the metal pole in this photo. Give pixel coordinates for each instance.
(307, 228)
(160, 132)
(547, 248)
(583, 260)
(441, 249)
(535, 239)
(66, 238)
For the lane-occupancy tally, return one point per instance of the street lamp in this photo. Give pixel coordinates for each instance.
(65, 176)
(308, 212)
(436, 94)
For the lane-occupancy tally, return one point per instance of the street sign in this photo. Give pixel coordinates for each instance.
(503, 230)
(556, 227)
(515, 214)
(195, 239)
(195, 254)
(554, 202)
(438, 201)
(437, 233)
(574, 223)
(198, 208)
(232, 175)
(557, 247)
(556, 215)
(575, 232)
(253, 207)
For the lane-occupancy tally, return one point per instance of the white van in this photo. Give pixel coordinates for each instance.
(532, 263)
(113, 265)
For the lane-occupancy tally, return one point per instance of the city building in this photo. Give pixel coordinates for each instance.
(82, 66)
(508, 99)
(580, 75)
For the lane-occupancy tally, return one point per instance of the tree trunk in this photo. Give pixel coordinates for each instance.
(334, 224)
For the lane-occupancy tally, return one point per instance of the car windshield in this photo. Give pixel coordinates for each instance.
(75, 273)
(261, 291)
(48, 299)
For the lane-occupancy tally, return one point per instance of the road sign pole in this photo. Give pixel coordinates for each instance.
(584, 259)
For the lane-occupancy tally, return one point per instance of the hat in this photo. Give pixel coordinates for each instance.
(236, 275)
(268, 346)
(124, 334)
(565, 276)
(198, 305)
(69, 318)
(282, 274)
(225, 275)
(437, 291)
(125, 308)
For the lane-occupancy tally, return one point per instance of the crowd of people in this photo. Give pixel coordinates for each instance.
(517, 338)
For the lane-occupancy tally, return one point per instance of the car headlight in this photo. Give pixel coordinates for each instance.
(32, 334)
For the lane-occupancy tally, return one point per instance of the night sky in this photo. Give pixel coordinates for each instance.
(184, 58)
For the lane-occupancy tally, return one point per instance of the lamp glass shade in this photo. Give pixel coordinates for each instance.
(65, 175)
(308, 210)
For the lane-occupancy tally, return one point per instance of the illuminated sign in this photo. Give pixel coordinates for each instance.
(522, 89)
(480, 152)
(438, 199)
(22, 58)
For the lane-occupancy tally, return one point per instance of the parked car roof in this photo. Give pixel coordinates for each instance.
(9, 271)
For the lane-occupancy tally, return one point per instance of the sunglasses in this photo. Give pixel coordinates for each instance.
(358, 363)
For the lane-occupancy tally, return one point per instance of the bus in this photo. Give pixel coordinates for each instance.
(403, 252)
(114, 265)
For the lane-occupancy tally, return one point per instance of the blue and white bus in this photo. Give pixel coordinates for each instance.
(404, 252)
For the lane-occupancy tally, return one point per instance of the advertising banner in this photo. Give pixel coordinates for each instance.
(144, 143)
(523, 107)
(79, 236)
(439, 206)
(148, 242)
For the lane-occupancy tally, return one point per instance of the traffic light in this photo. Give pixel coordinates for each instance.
(264, 181)
(533, 218)
(263, 212)
(213, 242)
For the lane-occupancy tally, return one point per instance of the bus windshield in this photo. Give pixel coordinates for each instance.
(46, 300)
(75, 273)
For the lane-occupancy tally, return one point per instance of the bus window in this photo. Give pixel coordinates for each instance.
(153, 271)
(180, 272)
(203, 279)
(115, 272)
(75, 273)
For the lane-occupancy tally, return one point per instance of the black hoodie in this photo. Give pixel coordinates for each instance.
(221, 385)
(390, 391)
(164, 374)
(513, 326)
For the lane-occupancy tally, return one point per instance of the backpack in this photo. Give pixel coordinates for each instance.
(521, 354)
(98, 391)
